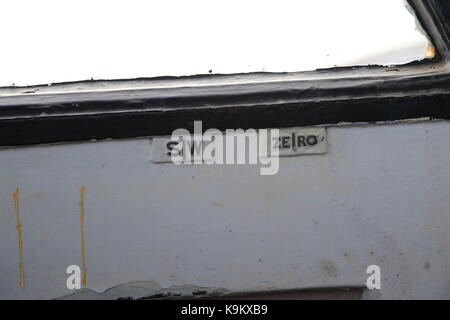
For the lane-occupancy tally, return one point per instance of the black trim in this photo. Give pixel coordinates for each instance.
(358, 94)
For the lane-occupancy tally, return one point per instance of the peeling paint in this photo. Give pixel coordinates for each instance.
(143, 290)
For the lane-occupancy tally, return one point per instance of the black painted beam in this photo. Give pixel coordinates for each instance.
(357, 94)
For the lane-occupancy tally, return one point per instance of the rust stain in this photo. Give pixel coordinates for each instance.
(19, 238)
(83, 250)
(330, 268)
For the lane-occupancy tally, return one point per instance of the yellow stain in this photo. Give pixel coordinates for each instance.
(19, 238)
(430, 52)
(83, 251)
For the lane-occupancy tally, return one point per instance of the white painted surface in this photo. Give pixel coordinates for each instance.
(380, 196)
(51, 41)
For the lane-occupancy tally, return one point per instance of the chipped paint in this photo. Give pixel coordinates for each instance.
(144, 290)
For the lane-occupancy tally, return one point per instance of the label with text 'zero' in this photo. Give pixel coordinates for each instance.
(289, 142)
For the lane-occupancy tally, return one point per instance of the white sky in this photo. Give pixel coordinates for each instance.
(44, 41)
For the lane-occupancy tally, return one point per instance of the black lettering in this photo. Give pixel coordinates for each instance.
(294, 146)
(170, 146)
(277, 143)
(285, 143)
(312, 140)
(301, 141)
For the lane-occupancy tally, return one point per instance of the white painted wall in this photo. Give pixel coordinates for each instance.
(380, 196)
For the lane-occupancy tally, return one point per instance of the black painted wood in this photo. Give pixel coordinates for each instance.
(358, 94)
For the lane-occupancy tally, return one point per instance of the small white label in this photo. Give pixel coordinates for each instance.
(290, 142)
